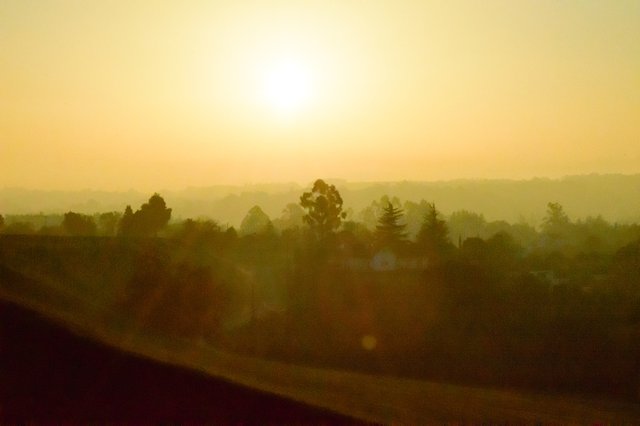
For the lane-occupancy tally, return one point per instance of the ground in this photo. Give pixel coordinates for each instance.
(50, 374)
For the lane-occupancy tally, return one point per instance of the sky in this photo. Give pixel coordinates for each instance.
(151, 95)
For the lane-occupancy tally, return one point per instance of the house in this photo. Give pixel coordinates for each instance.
(385, 260)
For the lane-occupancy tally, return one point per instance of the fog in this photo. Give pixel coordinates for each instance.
(614, 197)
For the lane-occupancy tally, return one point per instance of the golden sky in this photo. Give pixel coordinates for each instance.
(153, 95)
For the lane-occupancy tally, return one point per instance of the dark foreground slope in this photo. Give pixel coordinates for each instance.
(48, 373)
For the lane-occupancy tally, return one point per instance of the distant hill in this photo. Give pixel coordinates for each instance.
(615, 197)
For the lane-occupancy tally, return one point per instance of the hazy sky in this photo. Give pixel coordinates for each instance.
(151, 94)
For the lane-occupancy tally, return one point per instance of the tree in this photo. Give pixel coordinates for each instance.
(199, 234)
(389, 232)
(148, 220)
(255, 222)
(434, 234)
(556, 223)
(78, 224)
(153, 215)
(126, 222)
(1, 222)
(464, 224)
(323, 206)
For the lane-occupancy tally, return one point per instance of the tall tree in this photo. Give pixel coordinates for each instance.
(153, 215)
(434, 234)
(126, 224)
(323, 205)
(389, 231)
(556, 224)
(370, 214)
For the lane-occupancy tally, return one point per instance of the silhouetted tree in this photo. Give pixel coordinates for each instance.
(556, 223)
(389, 231)
(153, 215)
(370, 214)
(200, 235)
(555, 218)
(151, 218)
(191, 228)
(255, 222)
(324, 208)
(126, 222)
(434, 234)
(78, 224)
(1, 222)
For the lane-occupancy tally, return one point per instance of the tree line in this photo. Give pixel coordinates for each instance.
(498, 303)
(415, 222)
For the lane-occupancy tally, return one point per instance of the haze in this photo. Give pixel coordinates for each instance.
(149, 94)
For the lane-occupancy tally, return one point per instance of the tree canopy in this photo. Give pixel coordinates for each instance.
(323, 205)
(78, 224)
(148, 220)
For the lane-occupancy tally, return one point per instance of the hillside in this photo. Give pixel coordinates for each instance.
(51, 374)
(369, 397)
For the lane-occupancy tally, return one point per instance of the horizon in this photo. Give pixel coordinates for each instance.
(302, 185)
(583, 196)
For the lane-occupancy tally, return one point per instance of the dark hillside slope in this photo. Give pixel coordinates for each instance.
(48, 373)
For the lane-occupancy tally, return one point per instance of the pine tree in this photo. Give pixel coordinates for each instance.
(125, 226)
(434, 234)
(389, 231)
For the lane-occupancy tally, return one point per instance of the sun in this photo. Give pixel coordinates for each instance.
(287, 87)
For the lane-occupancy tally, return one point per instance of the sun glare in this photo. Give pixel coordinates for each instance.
(287, 87)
